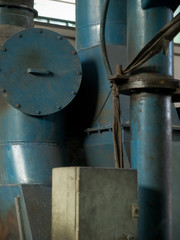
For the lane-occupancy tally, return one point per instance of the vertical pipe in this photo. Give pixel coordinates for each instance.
(142, 26)
(95, 89)
(151, 150)
(151, 156)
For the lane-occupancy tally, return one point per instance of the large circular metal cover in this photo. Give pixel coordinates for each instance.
(40, 72)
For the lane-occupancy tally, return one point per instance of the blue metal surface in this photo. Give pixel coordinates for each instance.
(34, 78)
(142, 26)
(30, 146)
(151, 133)
(95, 87)
(173, 4)
(25, 164)
(95, 84)
(35, 144)
(88, 23)
(151, 156)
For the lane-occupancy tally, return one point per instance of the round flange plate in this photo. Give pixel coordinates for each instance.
(40, 72)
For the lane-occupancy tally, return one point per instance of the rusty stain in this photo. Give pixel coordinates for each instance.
(18, 106)
(9, 227)
(3, 90)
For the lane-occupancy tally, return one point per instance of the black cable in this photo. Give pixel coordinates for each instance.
(102, 38)
(117, 131)
(97, 116)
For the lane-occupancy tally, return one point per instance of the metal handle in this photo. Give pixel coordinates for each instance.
(39, 71)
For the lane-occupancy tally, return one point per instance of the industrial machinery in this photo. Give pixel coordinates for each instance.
(61, 107)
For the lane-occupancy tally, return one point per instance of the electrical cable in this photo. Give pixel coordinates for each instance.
(99, 113)
(117, 129)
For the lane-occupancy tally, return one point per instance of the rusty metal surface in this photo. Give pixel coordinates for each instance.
(35, 211)
(9, 226)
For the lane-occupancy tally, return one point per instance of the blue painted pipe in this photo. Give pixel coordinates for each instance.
(151, 139)
(88, 17)
(142, 26)
(151, 134)
(95, 88)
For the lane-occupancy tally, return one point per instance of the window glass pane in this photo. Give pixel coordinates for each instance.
(177, 38)
(60, 9)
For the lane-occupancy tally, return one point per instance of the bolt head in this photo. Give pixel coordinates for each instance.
(20, 35)
(38, 111)
(3, 90)
(79, 73)
(58, 107)
(39, 31)
(73, 52)
(73, 92)
(59, 37)
(3, 49)
(18, 106)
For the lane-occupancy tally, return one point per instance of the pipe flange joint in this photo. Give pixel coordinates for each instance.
(146, 82)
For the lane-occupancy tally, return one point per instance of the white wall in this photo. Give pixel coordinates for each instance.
(177, 61)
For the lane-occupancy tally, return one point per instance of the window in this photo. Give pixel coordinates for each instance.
(60, 12)
(177, 38)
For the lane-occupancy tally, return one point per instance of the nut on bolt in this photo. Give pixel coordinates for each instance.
(59, 37)
(3, 90)
(73, 93)
(73, 52)
(79, 73)
(58, 107)
(18, 106)
(39, 31)
(3, 49)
